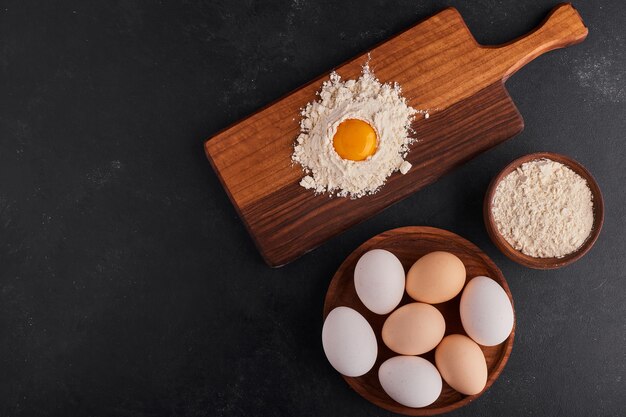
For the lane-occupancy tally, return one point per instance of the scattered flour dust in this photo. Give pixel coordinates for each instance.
(382, 107)
(543, 209)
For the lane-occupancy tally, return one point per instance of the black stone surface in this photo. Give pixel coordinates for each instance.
(129, 287)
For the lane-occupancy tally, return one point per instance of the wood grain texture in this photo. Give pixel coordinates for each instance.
(409, 244)
(544, 263)
(441, 68)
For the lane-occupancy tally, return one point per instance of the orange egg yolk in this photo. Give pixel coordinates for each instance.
(355, 140)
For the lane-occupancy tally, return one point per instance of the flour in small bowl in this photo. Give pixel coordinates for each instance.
(366, 98)
(543, 209)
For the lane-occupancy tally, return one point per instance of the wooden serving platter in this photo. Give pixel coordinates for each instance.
(409, 244)
(442, 69)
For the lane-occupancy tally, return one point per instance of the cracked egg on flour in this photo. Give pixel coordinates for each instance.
(354, 136)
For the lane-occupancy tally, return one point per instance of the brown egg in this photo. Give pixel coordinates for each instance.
(462, 364)
(413, 329)
(435, 278)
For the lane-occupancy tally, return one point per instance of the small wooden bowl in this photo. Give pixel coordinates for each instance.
(544, 263)
(409, 244)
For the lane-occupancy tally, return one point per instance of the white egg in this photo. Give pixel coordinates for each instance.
(349, 342)
(486, 312)
(410, 380)
(379, 281)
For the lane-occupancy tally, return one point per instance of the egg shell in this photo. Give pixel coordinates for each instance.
(379, 281)
(435, 278)
(486, 311)
(413, 329)
(349, 342)
(410, 380)
(462, 364)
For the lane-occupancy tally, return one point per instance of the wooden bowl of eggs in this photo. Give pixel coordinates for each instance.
(423, 342)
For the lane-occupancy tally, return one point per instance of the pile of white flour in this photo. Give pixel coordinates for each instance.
(543, 209)
(366, 99)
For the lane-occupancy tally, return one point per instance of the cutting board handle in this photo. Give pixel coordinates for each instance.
(563, 27)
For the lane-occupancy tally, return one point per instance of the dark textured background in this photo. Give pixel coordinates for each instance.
(129, 287)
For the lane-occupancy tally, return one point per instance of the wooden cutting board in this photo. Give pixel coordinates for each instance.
(441, 68)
